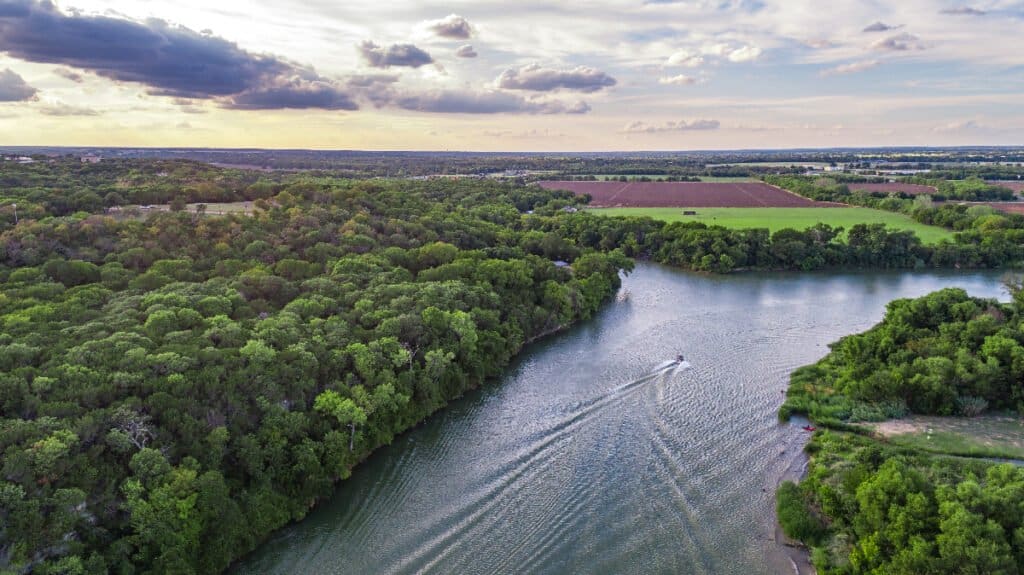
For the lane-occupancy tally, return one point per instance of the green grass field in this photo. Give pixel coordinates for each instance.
(987, 436)
(780, 218)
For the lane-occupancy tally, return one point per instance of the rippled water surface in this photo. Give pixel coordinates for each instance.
(593, 455)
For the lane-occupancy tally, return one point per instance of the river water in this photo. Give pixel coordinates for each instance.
(590, 456)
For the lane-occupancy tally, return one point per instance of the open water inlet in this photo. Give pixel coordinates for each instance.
(595, 453)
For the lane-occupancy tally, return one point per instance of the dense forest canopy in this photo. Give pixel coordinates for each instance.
(174, 388)
(942, 354)
(867, 507)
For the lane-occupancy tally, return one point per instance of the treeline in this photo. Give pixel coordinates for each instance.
(838, 189)
(866, 507)
(174, 389)
(697, 246)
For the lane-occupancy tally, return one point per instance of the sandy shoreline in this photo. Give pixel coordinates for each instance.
(799, 556)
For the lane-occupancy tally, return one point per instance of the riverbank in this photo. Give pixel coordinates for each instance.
(796, 553)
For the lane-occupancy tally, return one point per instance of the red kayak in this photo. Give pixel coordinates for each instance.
(809, 428)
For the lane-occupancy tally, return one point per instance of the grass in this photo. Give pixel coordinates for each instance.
(780, 218)
(212, 208)
(1001, 437)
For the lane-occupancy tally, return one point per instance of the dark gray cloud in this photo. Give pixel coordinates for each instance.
(680, 126)
(451, 26)
(62, 109)
(398, 55)
(880, 27)
(13, 87)
(296, 92)
(899, 43)
(963, 11)
(484, 102)
(170, 60)
(370, 80)
(466, 51)
(539, 79)
(69, 74)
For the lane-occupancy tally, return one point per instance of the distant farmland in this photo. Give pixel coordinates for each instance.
(686, 195)
(1005, 207)
(1017, 186)
(913, 189)
(780, 218)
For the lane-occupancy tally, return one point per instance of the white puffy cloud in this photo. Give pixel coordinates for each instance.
(851, 68)
(678, 80)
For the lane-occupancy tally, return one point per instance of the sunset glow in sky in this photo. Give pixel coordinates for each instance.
(461, 75)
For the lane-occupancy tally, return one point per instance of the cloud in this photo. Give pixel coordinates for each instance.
(899, 43)
(962, 126)
(483, 102)
(170, 60)
(686, 59)
(744, 54)
(851, 68)
(680, 80)
(466, 51)
(295, 92)
(879, 27)
(69, 74)
(451, 26)
(819, 43)
(536, 78)
(398, 55)
(13, 87)
(62, 109)
(735, 54)
(963, 11)
(639, 127)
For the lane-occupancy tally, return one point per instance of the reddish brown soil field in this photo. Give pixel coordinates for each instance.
(686, 195)
(1016, 185)
(1006, 207)
(893, 187)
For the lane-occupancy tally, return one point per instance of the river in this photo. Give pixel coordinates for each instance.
(590, 456)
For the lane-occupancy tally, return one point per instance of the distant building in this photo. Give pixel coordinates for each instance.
(561, 264)
(570, 209)
(91, 159)
(24, 160)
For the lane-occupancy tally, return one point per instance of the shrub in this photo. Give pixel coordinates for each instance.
(971, 406)
(796, 519)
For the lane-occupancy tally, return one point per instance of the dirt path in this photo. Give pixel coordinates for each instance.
(989, 430)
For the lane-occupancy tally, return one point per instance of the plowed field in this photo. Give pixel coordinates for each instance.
(686, 195)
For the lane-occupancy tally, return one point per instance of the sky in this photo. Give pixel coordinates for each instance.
(584, 75)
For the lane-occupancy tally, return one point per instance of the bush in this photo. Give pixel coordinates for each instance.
(797, 520)
(971, 406)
